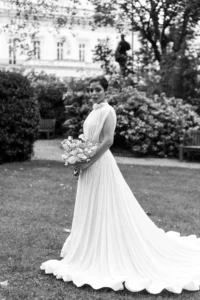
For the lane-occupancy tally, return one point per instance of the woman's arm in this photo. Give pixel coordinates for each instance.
(108, 138)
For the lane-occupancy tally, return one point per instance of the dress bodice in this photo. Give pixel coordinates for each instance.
(93, 125)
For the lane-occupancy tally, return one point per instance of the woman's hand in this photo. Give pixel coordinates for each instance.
(81, 165)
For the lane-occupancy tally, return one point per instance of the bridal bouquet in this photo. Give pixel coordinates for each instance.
(77, 150)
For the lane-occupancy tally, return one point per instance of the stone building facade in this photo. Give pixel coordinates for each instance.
(67, 52)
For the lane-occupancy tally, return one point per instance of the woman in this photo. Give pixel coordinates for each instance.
(113, 243)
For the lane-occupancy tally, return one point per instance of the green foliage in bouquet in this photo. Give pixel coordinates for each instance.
(19, 118)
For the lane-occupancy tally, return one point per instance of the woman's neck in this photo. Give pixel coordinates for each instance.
(102, 101)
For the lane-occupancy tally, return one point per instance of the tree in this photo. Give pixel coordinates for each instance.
(105, 55)
(26, 17)
(165, 24)
(166, 29)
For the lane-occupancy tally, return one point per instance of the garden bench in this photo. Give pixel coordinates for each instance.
(190, 144)
(47, 126)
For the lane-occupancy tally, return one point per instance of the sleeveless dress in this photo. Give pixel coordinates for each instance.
(113, 243)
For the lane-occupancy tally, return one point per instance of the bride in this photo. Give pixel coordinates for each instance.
(113, 243)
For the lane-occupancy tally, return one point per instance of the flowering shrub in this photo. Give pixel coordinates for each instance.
(195, 102)
(152, 126)
(147, 126)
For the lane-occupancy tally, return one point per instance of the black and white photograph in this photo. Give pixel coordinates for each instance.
(99, 150)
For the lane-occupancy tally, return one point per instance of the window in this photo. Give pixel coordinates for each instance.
(60, 50)
(82, 52)
(36, 49)
(12, 51)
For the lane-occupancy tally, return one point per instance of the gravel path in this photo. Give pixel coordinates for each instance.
(51, 150)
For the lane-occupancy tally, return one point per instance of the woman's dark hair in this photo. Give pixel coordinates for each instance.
(102, 81)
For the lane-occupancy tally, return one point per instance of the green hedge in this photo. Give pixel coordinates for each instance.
(19, 118)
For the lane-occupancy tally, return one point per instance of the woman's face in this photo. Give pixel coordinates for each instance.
(97, 92)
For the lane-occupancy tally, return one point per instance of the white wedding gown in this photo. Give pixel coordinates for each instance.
(113, 243)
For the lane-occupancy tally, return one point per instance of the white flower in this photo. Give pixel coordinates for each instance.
(67, 154)
(74, 152)
(89, 144)
(82, 156)
(80, 150)
(94, 148)
(90, 153)
(71, 145)
(78, 143)
(82, 137)
(65, 147)
(72, 160)
(68, 143)
(64, 156)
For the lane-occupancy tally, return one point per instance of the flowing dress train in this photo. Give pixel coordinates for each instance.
(113, 243)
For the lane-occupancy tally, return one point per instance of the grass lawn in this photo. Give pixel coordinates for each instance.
(37, 202)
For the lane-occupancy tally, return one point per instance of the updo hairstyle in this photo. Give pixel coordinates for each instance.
(102, 81)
